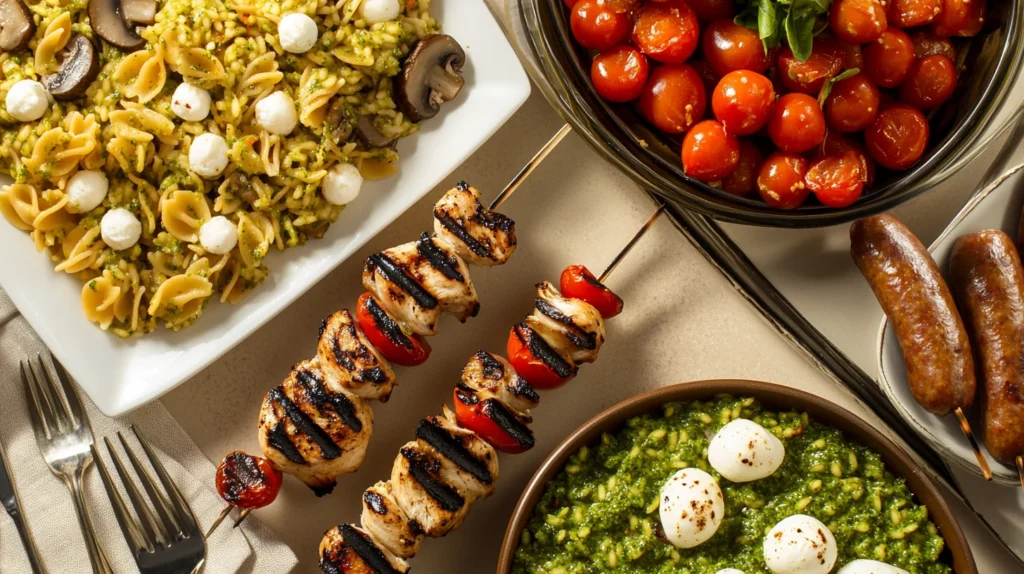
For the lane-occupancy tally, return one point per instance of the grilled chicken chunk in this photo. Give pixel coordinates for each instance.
(422, 491)
(350, 363)
(468, 462)
(346, 549)
(476, 234)
(313, 433)
(571, 326)
(493, 377)
(392, 282)
(388, 523)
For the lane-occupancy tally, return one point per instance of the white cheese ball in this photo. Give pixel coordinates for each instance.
(375, 11)
(870, 567)
(341, 184)
(190, 103)
(276, 113)
(743, 451)
(691, 507)
(800, 544)
(27, 101)
(219, 235)
(297, 32)
(86, 190)
(120, 229)
(208, 155)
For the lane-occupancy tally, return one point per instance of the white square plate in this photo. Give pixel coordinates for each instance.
(120, 375)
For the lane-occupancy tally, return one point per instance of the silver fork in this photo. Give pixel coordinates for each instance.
(165, 542)
(65, 439)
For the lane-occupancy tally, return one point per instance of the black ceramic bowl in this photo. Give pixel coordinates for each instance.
(652, 159)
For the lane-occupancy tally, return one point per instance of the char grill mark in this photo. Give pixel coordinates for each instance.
(578, 337)
(365, 547)
(318, 395)
(454, 450)
(242, 474)
(375, 375)
(439, 259)
(500, 414)
(391, 329)
(466, 394)
(425, 471)
(278, 438)
(462, 233)
(492, 368)
(305, 425)
(375, 502)
(543, 351)
(398, 276)
(520, 387)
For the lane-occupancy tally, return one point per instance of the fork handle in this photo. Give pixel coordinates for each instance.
(96, 556)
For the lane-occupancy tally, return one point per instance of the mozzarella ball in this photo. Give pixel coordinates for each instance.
(870, 567)
(276, 113)
(691, 507)
(120, 229)
(27, 101)
(208, 155)
(219, 235)
(86, 190)
(743, 451)
(800, 544)
(341, 184)
(190, 103)
(297, 32)
(380, 10)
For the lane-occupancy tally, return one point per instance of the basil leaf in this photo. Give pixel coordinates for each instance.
(827, 88)
(747, 17)
(800, 33)
(767, 21)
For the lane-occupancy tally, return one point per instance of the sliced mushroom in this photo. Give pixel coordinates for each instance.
(78, 69)
(108, 22)
(318, 229)
(141, 12)
(431, 75)
(16, 25)
(370, 135)
(339, 122)
(240, 187)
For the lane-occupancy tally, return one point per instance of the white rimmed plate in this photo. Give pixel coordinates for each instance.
(120, 375)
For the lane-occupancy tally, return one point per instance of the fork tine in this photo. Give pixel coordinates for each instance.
(133, 534)
(160, 502)
(154, 530)
(181, 507)
(78, 415)
(35, 411)
(50, 396)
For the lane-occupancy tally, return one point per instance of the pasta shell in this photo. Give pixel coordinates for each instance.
(182, 213)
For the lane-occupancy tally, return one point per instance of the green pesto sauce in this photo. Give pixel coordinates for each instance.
(600, 514)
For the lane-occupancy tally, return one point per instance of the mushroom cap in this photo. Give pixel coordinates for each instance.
(431, 75)
(77, 70)
(108, 22)
(16, 25)
(368, 133)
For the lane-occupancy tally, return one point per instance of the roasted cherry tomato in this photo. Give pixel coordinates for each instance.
(742, 101)
(727, 46)
(929, 44)
(619, 74)
(535, 360)
(857, 21)
(929, 83)
(667, 32)
(911, 13)
(808, 77)
(492, 421)
(711, 10)
(743, 180)
(246, 481)
(710, 153)
(960, 18)
(598, 25)
(579, 283)
(781, 180)
(707, 76)
(387, 335)
(853, 56)
(837, 181)
(898, 136)
(853, 104)
(838, 144)
(796, 124)
(887, 60)
(673, 99)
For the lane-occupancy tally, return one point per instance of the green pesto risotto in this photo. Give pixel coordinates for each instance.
(600, 514)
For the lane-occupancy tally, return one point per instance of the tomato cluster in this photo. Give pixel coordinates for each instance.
(762, 120)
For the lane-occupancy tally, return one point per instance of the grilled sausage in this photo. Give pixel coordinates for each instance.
(571, 326)
(476, 234)
(350, 363)
(988, 281)
(388, 524)
(913, 294)
(346, 549)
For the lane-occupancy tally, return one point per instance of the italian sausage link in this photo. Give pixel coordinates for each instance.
(988, 282)
(913, 294)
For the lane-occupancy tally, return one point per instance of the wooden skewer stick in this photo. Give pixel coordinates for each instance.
(966, 427)
(224, 514)
(1020, 469)
(530, 166)
(632, 242)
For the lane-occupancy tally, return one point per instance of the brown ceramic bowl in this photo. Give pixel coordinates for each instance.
(958, 553)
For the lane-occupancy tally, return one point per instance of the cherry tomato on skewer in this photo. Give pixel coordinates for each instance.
(853, 104)
(929, 83)
(911, 13)
(857, 21)
(727, 46)
(825, 61)
(837, 181)
(387, 335)
(492, 421)
(619, 74)
(898, 136)
(579, 283)
(781, 180)
(667, 32)
(246, 481)
(743, 180)
(535, 360)
(888, 59)
(710, 153)
(742, 101)
(674, 98)
(797, 123)
(597, 25)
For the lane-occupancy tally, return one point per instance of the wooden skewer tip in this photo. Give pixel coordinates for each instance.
(966, 428)
(632, 242)
(530, 166)
(220, 518)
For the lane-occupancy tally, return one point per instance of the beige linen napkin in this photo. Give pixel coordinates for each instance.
(46, 502)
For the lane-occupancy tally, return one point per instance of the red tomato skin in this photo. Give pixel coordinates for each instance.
(853, 56)
(888, 59)
(797, 123)
(808, 77)
(929, 44)
(930, 82)
(911, 13)
(742, 101)
(837, 181)
(620, 74)
(578, 282)
(727, 47)
(674, 98)
(709, 152)
(414, 350)
(960, 18)
(743, 180)
(707, 76)
(667, 32)
(781, 180)
(247, 482)
(598, 26)
(531, 367)
(898, 137)
(711, 10)
(853, 104)
(571, 3)
(857, 21)
(838, 144)
(473, 417)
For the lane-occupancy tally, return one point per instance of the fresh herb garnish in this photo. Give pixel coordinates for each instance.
(827, 88)
(795, 20)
